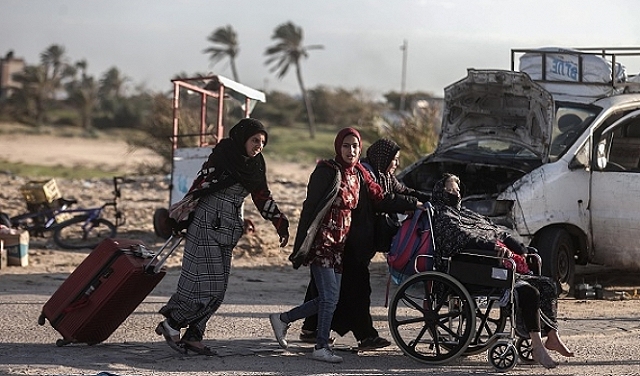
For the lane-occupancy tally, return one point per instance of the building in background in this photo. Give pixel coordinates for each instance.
(9, 66)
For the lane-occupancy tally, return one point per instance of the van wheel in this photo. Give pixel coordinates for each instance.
(556, 249)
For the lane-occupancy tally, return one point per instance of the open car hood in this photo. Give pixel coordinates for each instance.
(497, 105)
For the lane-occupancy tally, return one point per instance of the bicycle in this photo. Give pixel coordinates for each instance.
(85, 229)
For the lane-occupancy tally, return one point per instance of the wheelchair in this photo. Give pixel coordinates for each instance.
(435, 316)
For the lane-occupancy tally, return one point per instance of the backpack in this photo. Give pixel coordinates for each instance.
(413, 239)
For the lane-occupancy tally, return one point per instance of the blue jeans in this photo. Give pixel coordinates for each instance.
(328, 285)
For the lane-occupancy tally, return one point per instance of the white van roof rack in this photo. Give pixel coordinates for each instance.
(592, 71)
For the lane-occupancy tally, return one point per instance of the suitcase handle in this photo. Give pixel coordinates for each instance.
(163, 254)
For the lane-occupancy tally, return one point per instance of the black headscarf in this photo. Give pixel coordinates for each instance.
(380, 155)
(457, 228)
(229, 162)
(440, 197)
(246, 128)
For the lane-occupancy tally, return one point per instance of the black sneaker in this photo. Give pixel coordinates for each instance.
(373, 343)
(309, 336)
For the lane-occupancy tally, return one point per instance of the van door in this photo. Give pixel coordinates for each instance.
(615, 193)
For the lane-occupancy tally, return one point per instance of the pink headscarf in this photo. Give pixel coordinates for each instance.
(337, 144)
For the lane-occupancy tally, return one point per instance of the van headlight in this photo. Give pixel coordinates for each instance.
(490, 208)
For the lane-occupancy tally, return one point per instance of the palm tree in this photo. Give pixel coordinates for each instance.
(83, 94)
(85, 98)
(34, 93)
(82, 65)
(40, 83)
(112, 83)
(225, 42)
(110, 92)
(287, 51)
(53, 60)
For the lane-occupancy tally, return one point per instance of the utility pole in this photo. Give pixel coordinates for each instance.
(404, 48)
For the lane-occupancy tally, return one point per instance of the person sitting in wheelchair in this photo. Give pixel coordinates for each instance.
(457, 229)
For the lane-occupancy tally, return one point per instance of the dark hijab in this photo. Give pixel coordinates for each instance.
(246, 128)
(230, 155)
(380, 155)
(456, 228)
(440, 197)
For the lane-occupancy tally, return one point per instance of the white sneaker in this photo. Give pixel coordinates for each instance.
(279, 329)
(325, 355)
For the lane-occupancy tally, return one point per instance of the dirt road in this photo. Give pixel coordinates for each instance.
(603, 333)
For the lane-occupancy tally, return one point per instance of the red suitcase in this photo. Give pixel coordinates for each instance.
(104, 290)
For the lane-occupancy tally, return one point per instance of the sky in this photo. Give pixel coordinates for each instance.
(150, 41)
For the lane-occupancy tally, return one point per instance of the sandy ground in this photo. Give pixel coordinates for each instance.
(49, 150)
(604, 333)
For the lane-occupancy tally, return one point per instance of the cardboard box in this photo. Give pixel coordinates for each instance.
(17, 248)
(3, 255)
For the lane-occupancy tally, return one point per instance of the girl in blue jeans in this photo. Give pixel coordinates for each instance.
(325, 220)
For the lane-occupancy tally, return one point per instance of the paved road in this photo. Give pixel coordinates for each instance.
(604, 334)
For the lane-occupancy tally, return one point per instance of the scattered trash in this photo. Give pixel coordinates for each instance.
(624, 295)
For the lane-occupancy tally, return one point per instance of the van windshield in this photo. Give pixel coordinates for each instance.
(570, 121)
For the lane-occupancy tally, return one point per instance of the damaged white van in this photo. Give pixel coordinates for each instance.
(551, 151)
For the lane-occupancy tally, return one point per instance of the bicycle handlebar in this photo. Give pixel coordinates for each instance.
(120, 218)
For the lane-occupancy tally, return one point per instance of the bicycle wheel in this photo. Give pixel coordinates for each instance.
(78, 232)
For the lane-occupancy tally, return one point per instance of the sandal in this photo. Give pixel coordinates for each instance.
(373, 343)
(168, 333)
(205, 350)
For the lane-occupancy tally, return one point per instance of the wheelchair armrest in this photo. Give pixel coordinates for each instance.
(482, 256)
(482, 268)
(479, 252)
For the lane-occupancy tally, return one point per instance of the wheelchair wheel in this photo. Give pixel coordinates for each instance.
(432, 317)
(160, 225)
(490, 320)
(523, 345)
(503, 356)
